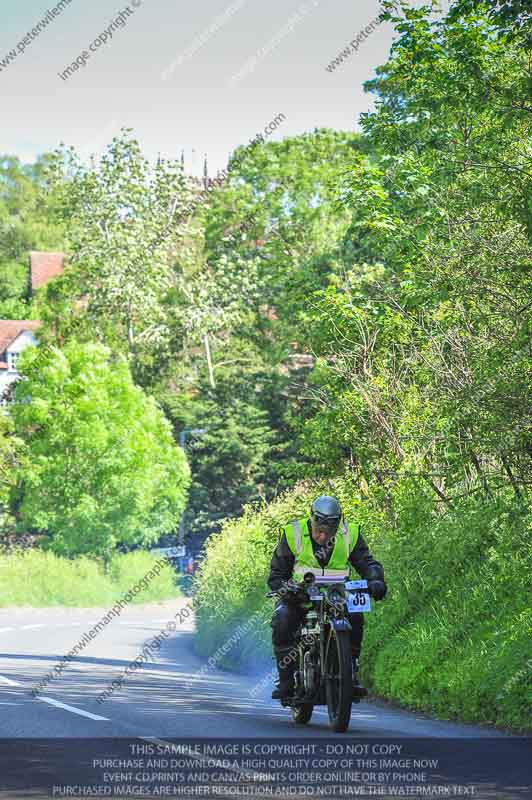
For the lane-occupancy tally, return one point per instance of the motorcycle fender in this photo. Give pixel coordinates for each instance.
(341, 624)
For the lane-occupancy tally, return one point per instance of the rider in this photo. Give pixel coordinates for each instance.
(313, 546)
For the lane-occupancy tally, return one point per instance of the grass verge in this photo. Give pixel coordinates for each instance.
(41, 579)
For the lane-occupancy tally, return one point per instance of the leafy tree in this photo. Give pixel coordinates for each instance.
(424, 344)
(26, 223)
(512, 17)
(230, 462)
(243, 455)
(11, 451)
(278, 207)
(126, 223)
(268, 231)
(138, 277)
(102, 468)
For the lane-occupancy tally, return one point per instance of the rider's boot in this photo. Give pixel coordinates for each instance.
(358, 690)
(286, 666)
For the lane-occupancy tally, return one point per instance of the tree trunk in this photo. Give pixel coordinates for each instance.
(481, 475)
(209, 360)
(511, 476)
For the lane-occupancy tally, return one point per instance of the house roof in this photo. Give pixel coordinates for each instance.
(44, 266)
(11, 328)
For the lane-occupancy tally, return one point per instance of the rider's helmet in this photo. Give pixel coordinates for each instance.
(326, 512)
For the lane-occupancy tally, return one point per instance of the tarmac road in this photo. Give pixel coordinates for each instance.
(177, 696)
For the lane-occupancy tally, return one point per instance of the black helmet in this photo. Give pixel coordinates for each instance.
(326, 511)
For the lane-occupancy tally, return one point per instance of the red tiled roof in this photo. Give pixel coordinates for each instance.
(11, 328)
(44, 266)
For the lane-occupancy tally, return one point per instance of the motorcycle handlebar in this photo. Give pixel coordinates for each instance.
(308, 579)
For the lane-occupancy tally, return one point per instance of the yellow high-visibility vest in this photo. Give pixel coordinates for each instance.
(300, 543)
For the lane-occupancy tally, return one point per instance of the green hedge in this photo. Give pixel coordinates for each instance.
(40, 579)
(452, 637)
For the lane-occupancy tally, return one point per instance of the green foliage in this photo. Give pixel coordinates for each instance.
(510, 17)
(11, 448)
(241, 457)
(424, 343)
(455, 628)
(41, 579)
(26, 223)
(121, 216)
(278, 207)
(101, 465)
(13, 281)
(230, 460)
(274, 219)
(136, 257)
(125, 570)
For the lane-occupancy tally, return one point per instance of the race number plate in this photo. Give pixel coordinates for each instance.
(358, 601)
(358, 598)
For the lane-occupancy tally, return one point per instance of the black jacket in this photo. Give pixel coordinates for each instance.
(283, 560)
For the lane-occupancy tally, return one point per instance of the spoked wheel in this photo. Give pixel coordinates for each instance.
(302, 714)
(338, 683)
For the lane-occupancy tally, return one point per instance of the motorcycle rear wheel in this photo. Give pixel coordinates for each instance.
(338, 683)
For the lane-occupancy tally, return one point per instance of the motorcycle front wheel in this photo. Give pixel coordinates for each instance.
(338, 681)
(302, 714)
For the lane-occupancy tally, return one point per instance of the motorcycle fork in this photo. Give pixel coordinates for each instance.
(325, 635)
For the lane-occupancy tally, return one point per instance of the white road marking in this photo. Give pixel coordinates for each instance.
(9, 682)
(31, 627)
(72, 709)
(3, 630)
(57, 704)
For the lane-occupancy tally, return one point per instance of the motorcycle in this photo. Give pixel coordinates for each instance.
(323, 674)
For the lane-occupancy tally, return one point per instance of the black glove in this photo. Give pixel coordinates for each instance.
(377, 589)
(292, 593)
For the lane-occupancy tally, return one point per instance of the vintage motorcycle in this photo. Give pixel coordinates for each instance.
(324, 674)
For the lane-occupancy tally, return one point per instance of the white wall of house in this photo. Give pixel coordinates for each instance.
(23, 340)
